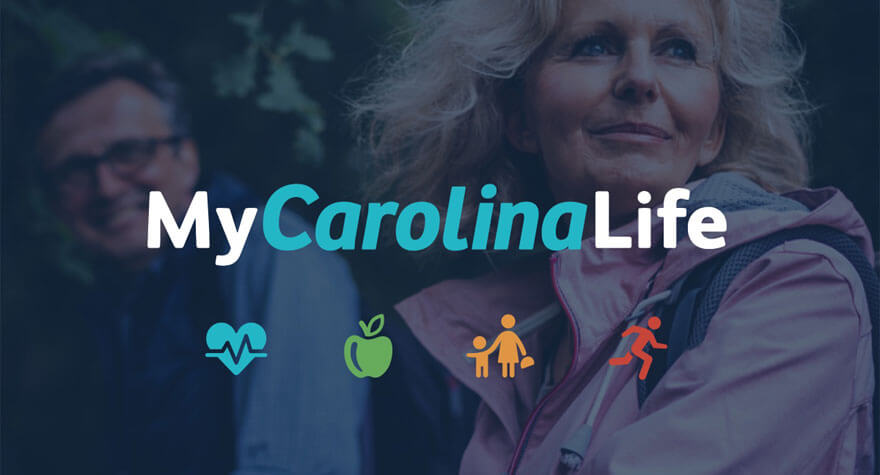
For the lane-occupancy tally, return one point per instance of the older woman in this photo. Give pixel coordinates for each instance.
(554, 100)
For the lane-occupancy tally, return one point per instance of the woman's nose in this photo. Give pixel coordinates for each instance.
(637, 79)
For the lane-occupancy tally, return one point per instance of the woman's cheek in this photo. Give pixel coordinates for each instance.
(694, 101)
(564, 99)
(566, 93)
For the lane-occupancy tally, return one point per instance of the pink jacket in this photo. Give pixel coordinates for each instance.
(781, 384)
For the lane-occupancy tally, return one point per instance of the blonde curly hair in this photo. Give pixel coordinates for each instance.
(433, 116)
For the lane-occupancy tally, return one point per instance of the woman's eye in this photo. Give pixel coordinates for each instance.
(679, 49)
(595, 46)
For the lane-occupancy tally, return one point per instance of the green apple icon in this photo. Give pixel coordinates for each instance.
(373, 355)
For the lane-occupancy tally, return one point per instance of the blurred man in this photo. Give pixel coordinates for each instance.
(113, 130)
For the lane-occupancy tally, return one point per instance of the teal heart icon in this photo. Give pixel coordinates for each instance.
(236, 349)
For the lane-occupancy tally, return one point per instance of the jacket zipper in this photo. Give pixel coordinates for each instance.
(523, 439)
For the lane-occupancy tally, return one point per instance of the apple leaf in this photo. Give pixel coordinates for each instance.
(374, 327)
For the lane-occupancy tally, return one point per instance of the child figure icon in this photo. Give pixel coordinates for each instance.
(509, 347)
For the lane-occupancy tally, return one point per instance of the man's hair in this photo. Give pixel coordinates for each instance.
(96, 70)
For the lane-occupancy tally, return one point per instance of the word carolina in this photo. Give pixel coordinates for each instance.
(702, 220)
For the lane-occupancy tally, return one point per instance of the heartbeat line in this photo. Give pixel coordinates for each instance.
(236, 357)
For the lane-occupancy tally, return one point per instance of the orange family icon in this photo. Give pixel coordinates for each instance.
(509, 347)
(644, 337)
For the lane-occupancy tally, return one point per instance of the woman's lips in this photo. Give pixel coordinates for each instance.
(632, 132)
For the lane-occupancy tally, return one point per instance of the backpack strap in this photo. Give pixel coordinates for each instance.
(677, 313)
(697, 295)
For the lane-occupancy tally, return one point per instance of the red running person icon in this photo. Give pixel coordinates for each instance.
(645, 336)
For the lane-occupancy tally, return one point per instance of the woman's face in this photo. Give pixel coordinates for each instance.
(625, 98)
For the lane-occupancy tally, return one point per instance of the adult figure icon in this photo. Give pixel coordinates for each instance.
(509, 347)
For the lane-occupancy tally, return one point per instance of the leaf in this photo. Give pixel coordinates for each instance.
(308, 147)
(250, 22)
(311, 47)
(376, 324)
(235, 77)
(315, 122)
(284, 92)
(334, 4)
(69, 38)
(20, 13)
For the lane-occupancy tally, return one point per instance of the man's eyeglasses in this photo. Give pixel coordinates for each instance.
(126, 159)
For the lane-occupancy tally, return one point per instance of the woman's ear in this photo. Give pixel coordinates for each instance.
(519, 134)
(712, 146)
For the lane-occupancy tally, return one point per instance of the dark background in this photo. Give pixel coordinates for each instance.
(279, 120)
